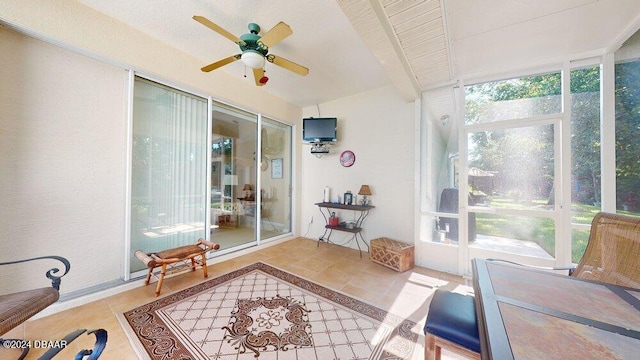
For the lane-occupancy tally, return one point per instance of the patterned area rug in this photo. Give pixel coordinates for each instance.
(262, 312)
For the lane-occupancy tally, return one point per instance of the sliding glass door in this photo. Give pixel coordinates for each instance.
(228, 181)
(250, 178)
(275, 178)
(168, 171)
(233, 177)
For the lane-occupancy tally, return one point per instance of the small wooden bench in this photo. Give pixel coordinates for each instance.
(197, 253)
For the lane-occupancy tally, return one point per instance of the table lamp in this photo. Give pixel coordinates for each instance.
(364, 191)
(247, 192)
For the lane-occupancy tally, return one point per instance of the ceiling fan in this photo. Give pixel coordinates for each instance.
(255, 49)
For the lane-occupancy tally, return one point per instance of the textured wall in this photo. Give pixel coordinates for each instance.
(378, 126)
(62, 156)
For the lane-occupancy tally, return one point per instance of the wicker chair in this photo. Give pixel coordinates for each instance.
(612, 254)
(18, 307)
(613, 251)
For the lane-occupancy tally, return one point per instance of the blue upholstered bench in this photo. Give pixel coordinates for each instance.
(451, 324)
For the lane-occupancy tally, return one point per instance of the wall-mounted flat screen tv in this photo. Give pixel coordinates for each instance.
(315, 130)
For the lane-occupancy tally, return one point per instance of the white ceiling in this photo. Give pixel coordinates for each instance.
(351, 46)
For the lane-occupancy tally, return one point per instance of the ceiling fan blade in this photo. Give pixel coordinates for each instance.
(221, 63)
(258, 74)
(208, 23)
(275, 35)
(288, 64)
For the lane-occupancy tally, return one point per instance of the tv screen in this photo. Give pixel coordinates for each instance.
(319, 129)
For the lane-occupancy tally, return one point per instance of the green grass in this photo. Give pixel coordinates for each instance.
(539, 230)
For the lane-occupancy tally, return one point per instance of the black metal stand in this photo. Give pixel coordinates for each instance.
(356, 230)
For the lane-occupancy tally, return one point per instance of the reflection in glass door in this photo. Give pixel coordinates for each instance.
(250, 178)
(275, 178)
(233, 177)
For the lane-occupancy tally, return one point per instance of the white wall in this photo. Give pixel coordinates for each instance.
(378, 126)
(62, 150)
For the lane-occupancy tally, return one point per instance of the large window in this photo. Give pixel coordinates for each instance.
(523, 165)
(511, 162)
(519, 98)
(627, 135)
(511, 173)
(586, 180)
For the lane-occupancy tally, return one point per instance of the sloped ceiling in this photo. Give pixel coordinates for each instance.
(351, 46)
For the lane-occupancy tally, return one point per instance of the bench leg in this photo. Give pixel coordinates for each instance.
(161, 279)
(430, 350)
(146, 282)
(204, 265)
(433, 348)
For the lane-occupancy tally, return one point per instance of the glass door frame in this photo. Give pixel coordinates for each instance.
(466, 252)
(257, 223)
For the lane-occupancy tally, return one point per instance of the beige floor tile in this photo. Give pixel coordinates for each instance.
(408, 306)
(372, 283)
(255, 257)
(332, 251)
(332, 278)
(130, 299)
(349, 264)
(359, 293)
(315, 264)
(299, 269)
(269, 252)
(416, 284)
(375, 268)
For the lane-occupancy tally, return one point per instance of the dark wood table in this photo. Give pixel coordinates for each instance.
(525, 313)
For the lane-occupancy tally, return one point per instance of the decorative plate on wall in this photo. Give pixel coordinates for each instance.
(347, 158)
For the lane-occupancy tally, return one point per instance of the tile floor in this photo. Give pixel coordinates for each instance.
(405, 294)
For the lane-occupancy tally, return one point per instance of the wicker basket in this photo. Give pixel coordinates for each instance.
(392, 254)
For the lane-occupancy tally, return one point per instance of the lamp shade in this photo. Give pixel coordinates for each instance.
(253, 59)
(364, 190)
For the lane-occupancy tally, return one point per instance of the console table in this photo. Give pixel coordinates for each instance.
(325, 210)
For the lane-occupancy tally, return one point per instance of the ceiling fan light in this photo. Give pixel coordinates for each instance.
(253, 59)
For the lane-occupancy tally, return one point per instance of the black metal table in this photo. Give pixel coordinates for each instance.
(357, 228)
